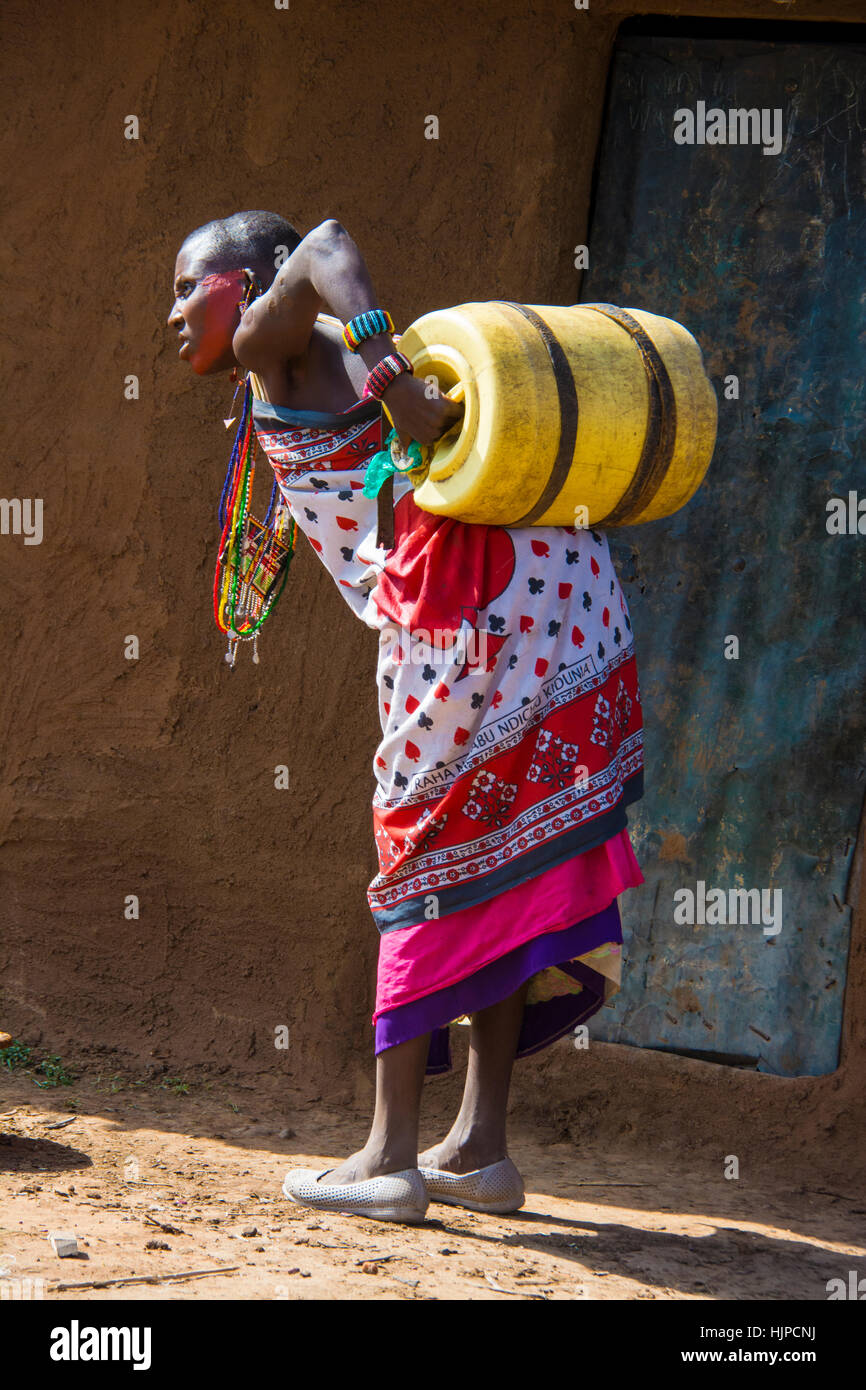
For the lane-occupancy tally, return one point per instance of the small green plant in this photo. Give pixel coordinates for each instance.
(16, 1055)
(54, 1072)
(175, 1084)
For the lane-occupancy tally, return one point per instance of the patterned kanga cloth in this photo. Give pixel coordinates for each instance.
(508, 692)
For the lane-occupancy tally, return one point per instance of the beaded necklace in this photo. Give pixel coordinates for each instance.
(245, 593)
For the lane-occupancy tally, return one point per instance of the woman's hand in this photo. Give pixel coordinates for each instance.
(417, 415)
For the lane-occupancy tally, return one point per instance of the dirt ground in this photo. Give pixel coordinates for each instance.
(157, 1181)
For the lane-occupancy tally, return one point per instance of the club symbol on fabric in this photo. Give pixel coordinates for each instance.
(587, 601)
(572, 557)
(535, 585)
(553, 761)
(311, 516)
(346, 551)
(490, 799)
(496, 623)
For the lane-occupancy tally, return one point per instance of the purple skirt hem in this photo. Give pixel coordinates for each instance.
(543, 1022)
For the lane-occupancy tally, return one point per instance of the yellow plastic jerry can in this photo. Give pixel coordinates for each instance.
(589, 414)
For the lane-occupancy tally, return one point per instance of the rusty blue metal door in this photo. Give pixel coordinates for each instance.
(748, 605)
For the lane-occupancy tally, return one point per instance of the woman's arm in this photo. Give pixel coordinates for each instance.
(327, 269)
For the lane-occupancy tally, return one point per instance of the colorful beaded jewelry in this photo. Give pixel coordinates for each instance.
(254, 556)
(384, 372)
(368, 325)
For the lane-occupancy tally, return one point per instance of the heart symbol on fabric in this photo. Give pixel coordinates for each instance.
(317, 545)
(526, 623)
(593, 565)
(441, 692)
(577, 637)
(411, 751)
(412, 704)
(564, 590)
(461, 735)
(346, 523)
(540, 667)
(540, 548)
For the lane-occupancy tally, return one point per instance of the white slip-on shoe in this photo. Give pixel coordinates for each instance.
(497, 1189)
(391, 1197)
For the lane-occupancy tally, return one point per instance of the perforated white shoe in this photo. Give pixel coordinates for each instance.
(497, 1189)
(391, 1197)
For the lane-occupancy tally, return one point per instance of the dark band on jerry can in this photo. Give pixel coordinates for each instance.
(661, 432)
(567, 416)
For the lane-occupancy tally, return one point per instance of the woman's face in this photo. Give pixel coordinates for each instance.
(205, 312)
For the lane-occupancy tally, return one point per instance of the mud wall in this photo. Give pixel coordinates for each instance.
(155, 777)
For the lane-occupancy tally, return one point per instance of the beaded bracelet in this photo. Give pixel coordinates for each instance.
(384, 372)
(368, 325)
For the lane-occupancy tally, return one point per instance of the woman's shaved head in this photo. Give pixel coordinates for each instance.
(260, 240)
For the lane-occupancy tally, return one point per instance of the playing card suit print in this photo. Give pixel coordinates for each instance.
(540, 667)
(605, 617)
(497, 699)
(380, 762)
(411, 704)
(577, 637)
(346, 523)
(587, 601)
(526, 622)
(424, 721)
(461, 735)
(345, 495)
(311, 516)
(572, 557)
(564, 590)
(540, 548)
(535, 585)
(317, 545)
(593, 565)
(413, 753)
(346, 551)
(441, 692)
(553, 628)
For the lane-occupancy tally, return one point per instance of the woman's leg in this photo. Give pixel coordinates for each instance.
(477, 1136)
(392, 1145)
